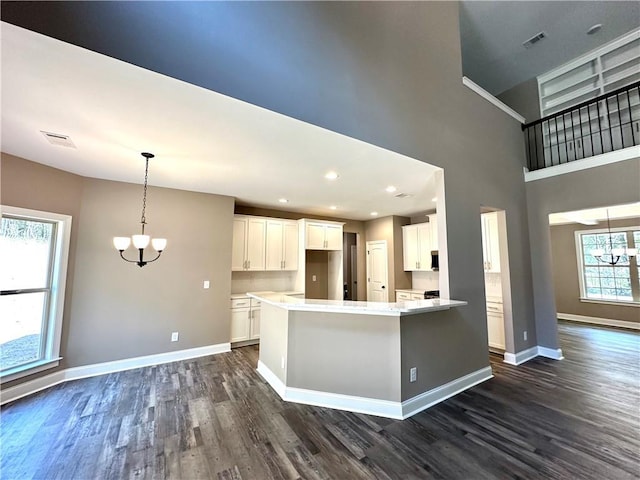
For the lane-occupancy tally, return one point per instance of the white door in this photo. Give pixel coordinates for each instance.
(315, 236)
(274, 245)
(424, 247)
(333, 236)
(256, 238)
(290, 247)
(410, 247)
(238, 248)
(377, 288)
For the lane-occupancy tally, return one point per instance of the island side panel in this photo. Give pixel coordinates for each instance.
(436, 343)
(347, 354)
(273, 339)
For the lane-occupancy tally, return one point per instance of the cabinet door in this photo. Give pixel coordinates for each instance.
(240, 323)
(256, 237)
(273, 254)
(402, 296)
(485, 241)
(410, 247)
(315, 236)
(333, 237)
(238, 247)
(254, 330)
(424, 247)
(290, 246)
(495, 330)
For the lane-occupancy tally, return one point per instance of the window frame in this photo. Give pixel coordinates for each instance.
(633, 266)
(53, 328)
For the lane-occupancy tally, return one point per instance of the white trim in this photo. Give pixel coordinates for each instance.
(617, 303)
(533, 352)
(490, 98)
(520, 357)
(350, 403)
(428, 399)
(35, 367)
(583, 164)
(272, 379)
(609, 322)
(32, 386)
(373, 406)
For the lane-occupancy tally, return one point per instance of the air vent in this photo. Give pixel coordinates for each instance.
(402, 195)
(535, 39)
(58, 139)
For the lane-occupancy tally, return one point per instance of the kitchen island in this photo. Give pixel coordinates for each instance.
(386, 359)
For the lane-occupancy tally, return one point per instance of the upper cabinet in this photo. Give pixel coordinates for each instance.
(281, 244)
(323, 235)
(248, 249)
(416, 247)
(433, 225)
(490, 242)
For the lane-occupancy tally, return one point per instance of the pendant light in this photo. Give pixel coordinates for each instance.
(614, 254)
(141, 241)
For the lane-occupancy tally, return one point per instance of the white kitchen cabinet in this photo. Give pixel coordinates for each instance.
(433, 226)
(490, 242)
(281, 245)
(245, 319)
(248, 248)
(416, 247)
(323, 236)
(495, 325)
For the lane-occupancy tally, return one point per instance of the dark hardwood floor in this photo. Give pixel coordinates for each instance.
(215, 417)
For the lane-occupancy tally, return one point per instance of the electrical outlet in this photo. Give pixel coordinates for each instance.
(313, 278)
(525, 335)
(174, 336)
(413, 374)
(206, 284)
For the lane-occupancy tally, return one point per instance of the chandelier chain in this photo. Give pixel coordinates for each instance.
(143, 219)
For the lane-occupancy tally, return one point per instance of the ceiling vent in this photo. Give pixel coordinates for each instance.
(402, 195)
(535, 39)
(58, 139)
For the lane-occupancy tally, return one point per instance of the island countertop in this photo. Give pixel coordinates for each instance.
(411, 307)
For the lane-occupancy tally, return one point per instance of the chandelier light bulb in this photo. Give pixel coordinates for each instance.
(121, 243)
(159, 244)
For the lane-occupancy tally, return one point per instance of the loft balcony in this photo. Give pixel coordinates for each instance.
(601, 125)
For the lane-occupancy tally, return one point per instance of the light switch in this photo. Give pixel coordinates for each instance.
(206, 284)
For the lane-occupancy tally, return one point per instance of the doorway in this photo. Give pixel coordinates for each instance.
(377, 273)
(350, 265)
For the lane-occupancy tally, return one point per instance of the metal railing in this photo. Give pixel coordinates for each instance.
(603, 124)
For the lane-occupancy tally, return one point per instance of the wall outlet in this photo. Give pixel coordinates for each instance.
(206, 284)
(413, 374)
(174, 336)
(525, 335)
(313, 278)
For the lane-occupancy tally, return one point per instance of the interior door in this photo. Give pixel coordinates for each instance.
(377, 275)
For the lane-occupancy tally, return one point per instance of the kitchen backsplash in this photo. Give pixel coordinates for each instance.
(425, 281)
(242, 282)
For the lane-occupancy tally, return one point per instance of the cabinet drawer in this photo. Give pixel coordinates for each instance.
(402, 296)
(240, 302)
(417, 296)
(255, 303)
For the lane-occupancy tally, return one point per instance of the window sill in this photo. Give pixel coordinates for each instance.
(29, 369)
(610, 302)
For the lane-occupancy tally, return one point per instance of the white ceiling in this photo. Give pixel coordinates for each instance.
(492, 34)
(203, 141)
(595, 216)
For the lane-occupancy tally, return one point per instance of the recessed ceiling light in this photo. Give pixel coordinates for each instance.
(374, 214)
(283, 200)
(434, 199)
(594, 29)
(331, 175)
(390, 189)
(333, 207)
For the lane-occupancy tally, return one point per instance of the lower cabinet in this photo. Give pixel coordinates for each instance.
(245, 319)
(495, 326)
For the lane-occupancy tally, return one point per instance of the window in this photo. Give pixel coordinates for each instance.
(34, 248)
(601, 281)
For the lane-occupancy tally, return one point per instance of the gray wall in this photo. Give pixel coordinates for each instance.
(317, 265)
(115, 310)
(565, 274)
(524, 99)
(613, 184)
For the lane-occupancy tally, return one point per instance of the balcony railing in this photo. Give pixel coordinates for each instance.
(604, 124)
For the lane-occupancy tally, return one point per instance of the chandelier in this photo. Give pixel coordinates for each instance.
(614, 254)
(141, 241)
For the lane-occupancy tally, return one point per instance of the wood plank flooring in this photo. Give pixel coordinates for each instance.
(215, 417)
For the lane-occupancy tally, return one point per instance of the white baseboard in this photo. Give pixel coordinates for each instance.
(427, 399)
(537, 351)
(607, 322)
(32, 386)
(373, 406)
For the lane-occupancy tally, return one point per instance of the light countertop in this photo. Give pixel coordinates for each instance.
(347, 306)
(265, 292)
